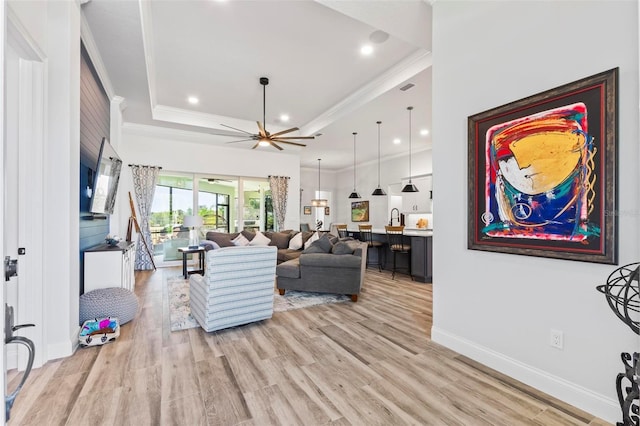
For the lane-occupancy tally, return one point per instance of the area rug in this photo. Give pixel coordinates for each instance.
(180, 310)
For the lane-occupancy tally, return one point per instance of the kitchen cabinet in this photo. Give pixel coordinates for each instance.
(421, 259)
(417, 202)
(107, 266)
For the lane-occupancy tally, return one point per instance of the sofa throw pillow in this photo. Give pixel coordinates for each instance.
(325, 242)
(341, 248)
(313, 238)
(249, 235)
(222, 238)
(313, 248)
(240, 240)
(280, 239)
(209, 245)
(296, 242)
(260, 240)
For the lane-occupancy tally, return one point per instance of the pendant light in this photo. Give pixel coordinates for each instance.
(319, 202)
(354, 194)
(378, 190)
(410, 187)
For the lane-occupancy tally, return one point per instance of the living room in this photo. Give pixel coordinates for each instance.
(497, 309)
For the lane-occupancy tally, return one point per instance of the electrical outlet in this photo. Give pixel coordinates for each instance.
(557, 339)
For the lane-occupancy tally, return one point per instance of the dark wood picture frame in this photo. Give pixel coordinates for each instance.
(327, 211)
(542, 178)
(307, 210)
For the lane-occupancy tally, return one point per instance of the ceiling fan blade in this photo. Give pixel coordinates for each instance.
(275, 145)
(241, 140)
(240, 130)
(295, 137)
(285, 131)
(290, 143)
(263, 133)
(255, 146)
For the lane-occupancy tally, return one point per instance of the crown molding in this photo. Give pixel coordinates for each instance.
(404, 70)
(209, 121)
(94, 54)
(146, 27)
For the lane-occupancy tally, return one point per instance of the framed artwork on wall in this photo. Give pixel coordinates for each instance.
(327, 211)
(307, 209)
(360, 211)
(542, 173)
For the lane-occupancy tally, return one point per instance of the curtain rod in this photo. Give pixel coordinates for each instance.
(286, 177)
(144, 165)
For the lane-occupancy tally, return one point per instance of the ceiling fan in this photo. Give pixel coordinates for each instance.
(264, 138)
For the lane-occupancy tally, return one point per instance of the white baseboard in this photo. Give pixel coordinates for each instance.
(63, 349)
(571, 393)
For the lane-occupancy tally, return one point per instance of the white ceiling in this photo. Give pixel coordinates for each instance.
(157, 53)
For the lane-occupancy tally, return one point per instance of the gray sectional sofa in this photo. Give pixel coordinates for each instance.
(326, 268)
(280, 239)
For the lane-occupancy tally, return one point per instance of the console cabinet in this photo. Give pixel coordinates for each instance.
(106, 266)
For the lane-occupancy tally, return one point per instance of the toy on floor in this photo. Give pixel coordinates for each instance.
(99, 331)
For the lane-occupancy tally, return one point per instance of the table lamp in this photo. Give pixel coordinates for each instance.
(193, 223)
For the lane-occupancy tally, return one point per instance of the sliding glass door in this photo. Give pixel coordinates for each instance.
(217, 199)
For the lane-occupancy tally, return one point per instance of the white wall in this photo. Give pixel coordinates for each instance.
(181, 151)
(392, 171)
(499, 308)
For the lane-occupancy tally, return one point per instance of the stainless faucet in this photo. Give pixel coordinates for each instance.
(397, 217)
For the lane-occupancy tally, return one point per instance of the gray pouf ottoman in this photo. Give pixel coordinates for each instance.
(115, 302)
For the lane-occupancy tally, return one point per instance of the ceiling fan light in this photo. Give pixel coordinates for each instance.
(378, 191)
(410, 187)
(263, 142)
(354, 194)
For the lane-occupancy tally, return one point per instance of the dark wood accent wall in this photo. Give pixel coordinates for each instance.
(95, 123)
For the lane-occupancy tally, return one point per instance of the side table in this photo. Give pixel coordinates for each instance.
(185, 251)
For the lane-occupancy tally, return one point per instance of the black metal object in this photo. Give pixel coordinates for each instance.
(9, 328)
(628, 393)
(623, 299)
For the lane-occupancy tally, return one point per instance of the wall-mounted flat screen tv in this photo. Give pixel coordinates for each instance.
(105, 183)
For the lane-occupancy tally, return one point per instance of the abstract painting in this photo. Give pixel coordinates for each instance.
(542, 173)
(360, 211)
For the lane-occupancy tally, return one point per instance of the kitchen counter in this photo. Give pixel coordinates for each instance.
(420, 256)
(410, 232)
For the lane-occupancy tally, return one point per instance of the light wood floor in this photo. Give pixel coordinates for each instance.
(365, 363)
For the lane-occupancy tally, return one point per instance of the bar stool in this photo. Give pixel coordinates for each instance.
(366, 235)
(342, 230)
(395, 237)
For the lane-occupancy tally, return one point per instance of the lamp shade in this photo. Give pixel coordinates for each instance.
(192, 221)
(354, 194)
(378, 191)
(410, 187)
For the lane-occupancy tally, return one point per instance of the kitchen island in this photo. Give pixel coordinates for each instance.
(421, 241)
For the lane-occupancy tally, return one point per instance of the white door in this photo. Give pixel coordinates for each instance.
(23, 144)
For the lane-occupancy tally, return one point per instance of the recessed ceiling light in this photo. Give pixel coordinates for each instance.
(397, 141)
(424, 132)
(193, 100)
(366, 50)
(284, 117)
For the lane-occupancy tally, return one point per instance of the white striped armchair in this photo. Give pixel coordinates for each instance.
(237, 287)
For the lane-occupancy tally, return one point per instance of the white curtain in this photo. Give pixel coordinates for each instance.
(144, 186)
(279, 193)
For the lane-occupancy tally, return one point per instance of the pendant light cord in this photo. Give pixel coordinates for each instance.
(410, 108)
(319, 195)
(379, 122)
(264, 107)
(354, 161)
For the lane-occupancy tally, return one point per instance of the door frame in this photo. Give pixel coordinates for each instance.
(32, 67)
